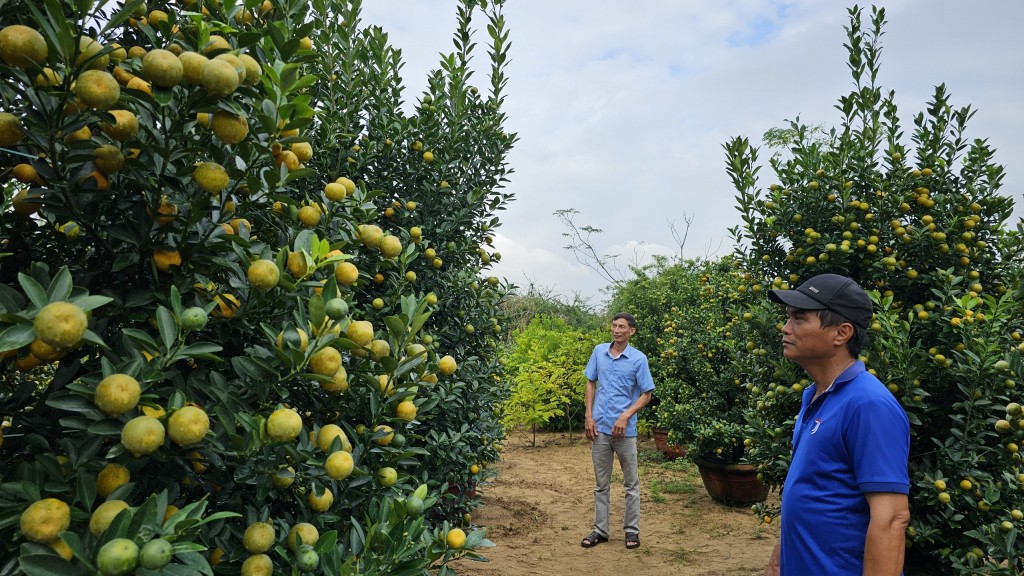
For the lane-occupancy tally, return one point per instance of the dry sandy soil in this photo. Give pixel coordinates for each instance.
(541, 504)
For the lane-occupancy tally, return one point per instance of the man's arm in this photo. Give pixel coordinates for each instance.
(619, 429)
(884, 546)
(590, 427)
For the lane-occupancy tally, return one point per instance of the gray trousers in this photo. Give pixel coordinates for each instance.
(603, 452)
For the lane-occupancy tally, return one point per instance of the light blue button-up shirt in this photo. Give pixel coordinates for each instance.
(620, 382)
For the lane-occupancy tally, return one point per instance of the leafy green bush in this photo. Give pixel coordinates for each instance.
(701, 403)
(544, 366)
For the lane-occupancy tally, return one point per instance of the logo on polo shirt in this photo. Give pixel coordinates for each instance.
(817, 422)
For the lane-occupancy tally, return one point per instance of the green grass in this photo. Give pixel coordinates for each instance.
(648, 456)
(680, 465)
(666, 477)
(684, 556)
(665, 486)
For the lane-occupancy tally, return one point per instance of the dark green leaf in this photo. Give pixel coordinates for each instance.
(74, 403)
(61, 286)
(168, 327)
(33, 290)
(88, 303)
(43, 565)
(17, 336)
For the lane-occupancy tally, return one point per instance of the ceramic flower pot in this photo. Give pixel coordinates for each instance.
(671, 451)
(731, 484)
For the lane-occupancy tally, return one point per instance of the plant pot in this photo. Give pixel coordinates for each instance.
(731, 484)
(469, 491)
(670, 451)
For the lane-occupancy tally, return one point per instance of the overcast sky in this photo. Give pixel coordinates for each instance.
(622, 107)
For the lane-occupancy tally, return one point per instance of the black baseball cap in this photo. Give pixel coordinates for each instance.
(829, 292)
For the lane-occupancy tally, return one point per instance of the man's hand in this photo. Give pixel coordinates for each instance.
(619, 429)
(590, 427)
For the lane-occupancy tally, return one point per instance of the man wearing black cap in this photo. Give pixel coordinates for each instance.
(844, 502)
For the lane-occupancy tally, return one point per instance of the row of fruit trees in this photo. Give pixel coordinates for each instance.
(246, 324)
(923, 226)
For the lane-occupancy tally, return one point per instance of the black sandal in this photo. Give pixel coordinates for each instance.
(632, 541)
(593, 540)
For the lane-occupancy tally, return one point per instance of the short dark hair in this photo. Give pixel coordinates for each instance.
(856, 342)
(627, 317)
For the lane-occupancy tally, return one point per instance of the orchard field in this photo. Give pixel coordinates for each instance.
(916, 214)
(246, 323)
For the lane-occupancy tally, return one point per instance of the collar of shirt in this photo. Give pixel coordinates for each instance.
(624, 353)
(811, 406)
(846, 376)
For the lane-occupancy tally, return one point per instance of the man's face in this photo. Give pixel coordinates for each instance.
(803, 337)
(621, 331)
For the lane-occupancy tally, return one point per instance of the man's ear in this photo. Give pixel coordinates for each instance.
(844, 332)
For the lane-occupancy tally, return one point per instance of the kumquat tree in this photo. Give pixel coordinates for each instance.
(923, 226)
(246, 324)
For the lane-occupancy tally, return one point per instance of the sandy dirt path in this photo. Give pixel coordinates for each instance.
(541, 505)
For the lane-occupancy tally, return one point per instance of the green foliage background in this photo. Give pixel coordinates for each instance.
(544, 367)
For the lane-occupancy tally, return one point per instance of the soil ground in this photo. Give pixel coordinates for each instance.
(541, 505)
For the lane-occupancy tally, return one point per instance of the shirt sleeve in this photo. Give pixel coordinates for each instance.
(591, 370)
(879, 442)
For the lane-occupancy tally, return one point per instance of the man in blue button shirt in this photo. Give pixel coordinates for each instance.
(619, 384)
(844, 502)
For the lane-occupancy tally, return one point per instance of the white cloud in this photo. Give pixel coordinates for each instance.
(637, 254)
(548, 268)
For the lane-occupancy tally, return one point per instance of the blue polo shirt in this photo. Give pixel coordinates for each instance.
(620, 381)
(855, 438)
